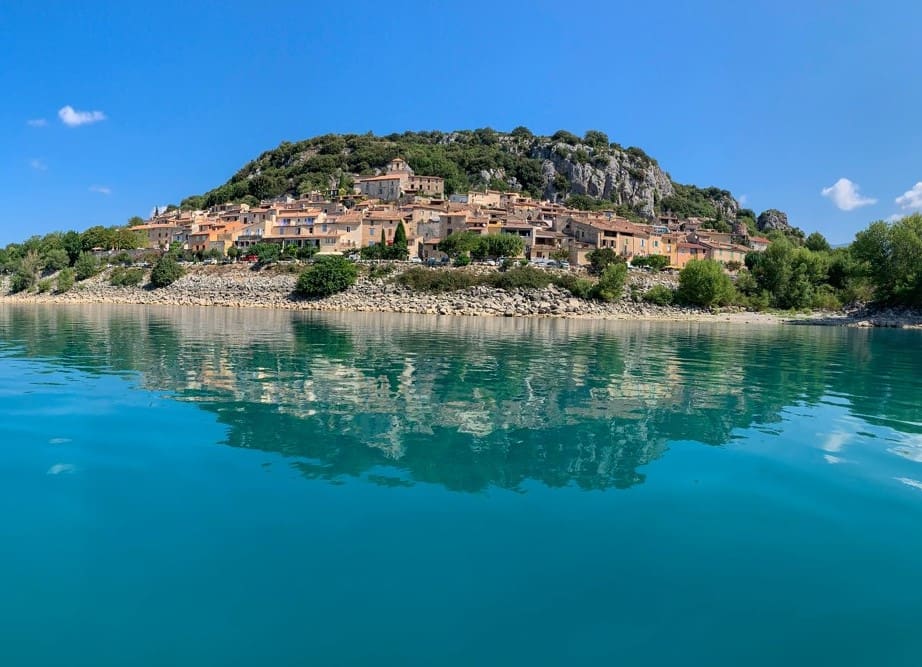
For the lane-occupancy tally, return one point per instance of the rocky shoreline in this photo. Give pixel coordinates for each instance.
(238, 286)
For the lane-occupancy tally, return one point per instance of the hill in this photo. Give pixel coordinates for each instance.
(588, 171)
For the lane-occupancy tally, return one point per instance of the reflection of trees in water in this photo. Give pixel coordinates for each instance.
(470, 403)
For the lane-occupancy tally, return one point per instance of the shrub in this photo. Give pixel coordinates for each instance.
(523, 276)
(703, 283)
(462, 260)
(825, 298)
(422, 279)
(43, 286)
(21, 281)
(165, 272)
(56, 259)
(328, 275)
(65, 280)
(122, 277)
(611, 283)
(380, 271)
(86, 266)
(659, 295)
(578, 287)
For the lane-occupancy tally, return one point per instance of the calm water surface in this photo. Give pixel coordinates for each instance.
(210, 487)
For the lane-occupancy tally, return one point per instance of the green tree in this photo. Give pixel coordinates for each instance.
(498, 245)
(266, 252)
(459, 243)
(817, 243)
(703, 283)
(400, 248)
(86, 266)
(328, 275)
(97, 237)
(655, 262)
(233, 252)
(166, 271)
(891, 257)
(65, 280)
(135, 220)
(601, 258)
(56, 259)
(610, 286)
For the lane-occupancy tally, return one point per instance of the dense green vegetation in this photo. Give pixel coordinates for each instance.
(703, 282)
(465, 245)
(329, 274)
(166, 271)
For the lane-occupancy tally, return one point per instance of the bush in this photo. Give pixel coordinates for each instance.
(56, 259)
(122, 277)
(43, 286)
(422, 279)
(65, 280)
(825, 298)
(380, 271)
(165, 272)
(611, 283)
(86, 266)
(462, 260)
(659, 295)
(524, 276)
(328, 275)
(703, 283)
(21, 281)
(578, 287)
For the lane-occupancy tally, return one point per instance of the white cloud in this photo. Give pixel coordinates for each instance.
(36, 122)
(101, 189)
(742, 199)
(61, 469)
(38, 165)
(73, 118)
(157, 208)
(844, 194)
(911, 200)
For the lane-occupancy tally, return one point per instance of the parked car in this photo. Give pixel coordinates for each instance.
(415, 260)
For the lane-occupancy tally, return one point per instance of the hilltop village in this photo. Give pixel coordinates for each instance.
(336, 222)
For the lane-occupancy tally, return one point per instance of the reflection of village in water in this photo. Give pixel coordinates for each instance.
(467, 402)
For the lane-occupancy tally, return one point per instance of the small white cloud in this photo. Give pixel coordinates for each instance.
(38, 165)
(36, 122)
(61, 469)
(73, 118)
(844, 194)
(742, 199)
(895, 217)
(101, 189)
(154, 210)
(911, 200)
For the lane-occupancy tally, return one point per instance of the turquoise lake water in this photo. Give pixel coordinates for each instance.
(216, 487)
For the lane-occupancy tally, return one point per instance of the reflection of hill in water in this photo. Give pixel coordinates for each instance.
(469, 402)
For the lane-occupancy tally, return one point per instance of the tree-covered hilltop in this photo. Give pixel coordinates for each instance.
(588, 171)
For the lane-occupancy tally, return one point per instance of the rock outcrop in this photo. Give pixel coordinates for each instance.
(773, 219)
(633, 180)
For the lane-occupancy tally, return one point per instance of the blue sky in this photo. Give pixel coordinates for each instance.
(775, 101)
